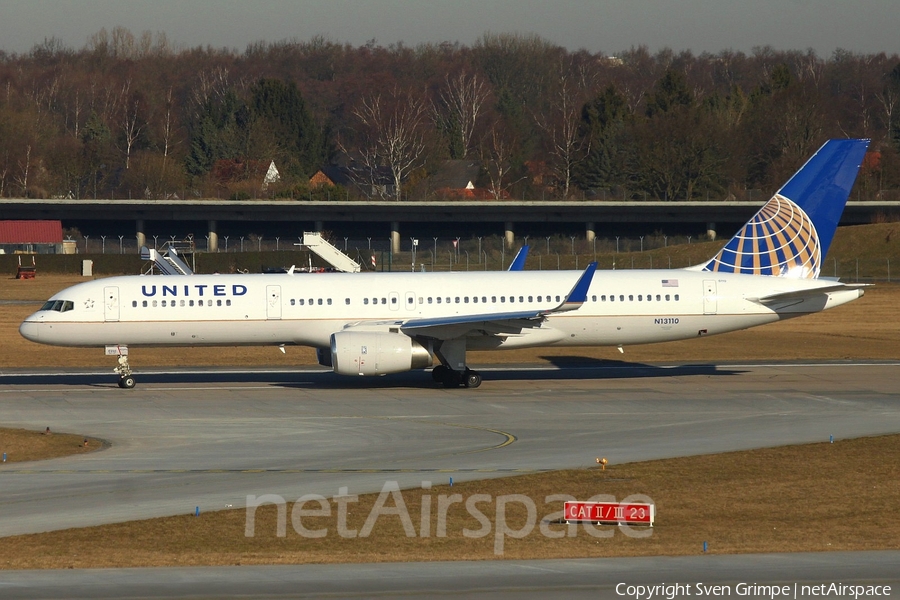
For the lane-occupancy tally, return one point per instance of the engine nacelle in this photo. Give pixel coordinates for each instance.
(376, 353)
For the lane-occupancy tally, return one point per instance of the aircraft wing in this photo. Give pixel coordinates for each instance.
(498, 322)
(491, 323)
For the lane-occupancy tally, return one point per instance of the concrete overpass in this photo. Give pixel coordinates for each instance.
(393, 215)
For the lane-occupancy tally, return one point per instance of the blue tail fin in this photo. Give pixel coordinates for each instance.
(791, 234)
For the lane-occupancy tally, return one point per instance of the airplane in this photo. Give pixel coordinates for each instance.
(382, 323)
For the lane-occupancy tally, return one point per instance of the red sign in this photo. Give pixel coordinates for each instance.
(610, 512)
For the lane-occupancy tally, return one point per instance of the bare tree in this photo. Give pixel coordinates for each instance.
(463, 98)
(561, 126)
(25, 167)
(131, 122)
(496, 155)
(391, 138)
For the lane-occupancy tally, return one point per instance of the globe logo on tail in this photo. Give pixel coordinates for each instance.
(779, 240)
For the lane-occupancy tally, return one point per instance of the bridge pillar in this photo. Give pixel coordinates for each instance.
(509, 234)
(590, 231)
(395, 237)
(711, 231)
(319, 226)
(213, 244)
(139, 234)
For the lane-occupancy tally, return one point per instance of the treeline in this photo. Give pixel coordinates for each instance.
(131, 116)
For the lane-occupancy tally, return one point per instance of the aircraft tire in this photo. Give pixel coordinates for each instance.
(473, 379)
(127, 383)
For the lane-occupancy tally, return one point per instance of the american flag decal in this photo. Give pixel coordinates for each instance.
(670, 283)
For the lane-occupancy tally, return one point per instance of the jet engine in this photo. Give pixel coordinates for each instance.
(376, 353)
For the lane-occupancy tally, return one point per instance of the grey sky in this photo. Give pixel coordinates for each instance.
(609, 26)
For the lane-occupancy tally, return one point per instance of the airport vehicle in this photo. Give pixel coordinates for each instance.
(381, 323)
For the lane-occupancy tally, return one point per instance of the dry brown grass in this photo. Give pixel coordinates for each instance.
(815, 497)
(23, 445)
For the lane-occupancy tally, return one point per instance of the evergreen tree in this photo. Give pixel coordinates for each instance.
(299, 141)
(602, 122)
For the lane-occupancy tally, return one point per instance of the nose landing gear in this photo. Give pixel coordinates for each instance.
(123, 369)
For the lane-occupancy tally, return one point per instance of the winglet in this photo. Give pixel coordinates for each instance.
(578, 295)
(518, 263)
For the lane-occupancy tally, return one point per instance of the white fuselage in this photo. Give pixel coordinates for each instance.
(622, 307)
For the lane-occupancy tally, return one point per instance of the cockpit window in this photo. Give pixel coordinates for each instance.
(58, 305)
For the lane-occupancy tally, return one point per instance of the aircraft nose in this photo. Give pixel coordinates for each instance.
(30, 330)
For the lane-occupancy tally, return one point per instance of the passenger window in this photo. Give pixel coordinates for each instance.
(347, 301)
(384, 300)
(328, 302)
(676, 298)
(512, 298)
(438, 299)
(134, 303)
(320, 302)
(503, 299)
(667, 297)
(164, 303)
(494, 299)
(190, 302)
(466, 299)
(621, 297)
(144, 304)
(457, 299)
(293, 302)
(603, 298)
(521, 298)
(394, 300)
(409, 300)
(154, 304)
(181, 303)
(612, 298)
(484, 299)
(228, 302)
(366, 301)
(429, 299)
(531, 298)
(640, 297)
(557, 299)
(420, 300)
(218, 303)
(631, 297)
(658, 298)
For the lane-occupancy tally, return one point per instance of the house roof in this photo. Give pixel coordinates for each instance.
(456, 174)
(31, 232)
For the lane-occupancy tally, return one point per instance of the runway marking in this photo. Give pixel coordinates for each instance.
(508, 437)
(257, 471)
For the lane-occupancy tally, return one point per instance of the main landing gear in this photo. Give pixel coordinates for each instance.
(450, 378)
(453, 352)
(126, 379)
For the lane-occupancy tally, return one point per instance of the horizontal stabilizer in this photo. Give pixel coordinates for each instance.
(806, 294)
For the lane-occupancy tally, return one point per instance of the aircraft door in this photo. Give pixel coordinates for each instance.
(394, 300)
(273, 301)
(410, 301)
(710, 303)
(111, 303)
